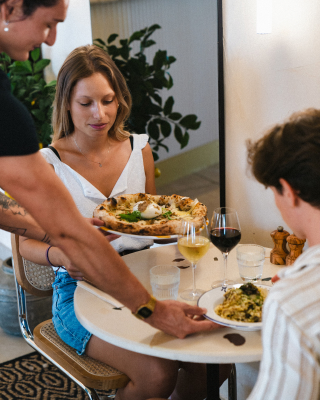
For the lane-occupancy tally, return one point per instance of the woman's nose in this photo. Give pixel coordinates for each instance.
(98, 111)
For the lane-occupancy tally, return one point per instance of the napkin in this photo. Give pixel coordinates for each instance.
(97, 292)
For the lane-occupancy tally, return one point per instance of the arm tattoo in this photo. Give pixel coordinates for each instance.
(16, 231)
(46, 239)
(7, 204)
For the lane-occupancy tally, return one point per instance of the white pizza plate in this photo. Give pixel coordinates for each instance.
(211, 299)
(138, 236)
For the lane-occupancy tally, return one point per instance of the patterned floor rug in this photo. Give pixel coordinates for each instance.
(33, 377)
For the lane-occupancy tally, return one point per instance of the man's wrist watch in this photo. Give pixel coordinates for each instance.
(146, 310)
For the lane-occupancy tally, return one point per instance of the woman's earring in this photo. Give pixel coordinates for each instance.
(6, 29)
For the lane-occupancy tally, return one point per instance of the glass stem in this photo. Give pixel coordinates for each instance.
(193, 269)
(224, 286)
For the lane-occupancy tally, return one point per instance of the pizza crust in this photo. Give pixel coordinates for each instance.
(181, 207)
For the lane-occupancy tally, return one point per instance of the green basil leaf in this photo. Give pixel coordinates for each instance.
(131, 217)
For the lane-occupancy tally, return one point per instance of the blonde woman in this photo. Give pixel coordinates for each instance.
(93, 155)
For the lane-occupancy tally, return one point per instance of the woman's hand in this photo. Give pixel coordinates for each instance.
(97, 222)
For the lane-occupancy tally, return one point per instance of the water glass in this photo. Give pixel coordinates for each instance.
(250, 259)
(164, 280)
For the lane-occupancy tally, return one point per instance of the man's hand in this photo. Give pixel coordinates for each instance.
(179, 319)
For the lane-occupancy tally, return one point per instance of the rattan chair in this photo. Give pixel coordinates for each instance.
(86, 372)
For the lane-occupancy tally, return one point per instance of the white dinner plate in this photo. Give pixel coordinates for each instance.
(211, 299)
(138, 236)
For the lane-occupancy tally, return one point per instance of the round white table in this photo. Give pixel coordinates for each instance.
(116, 325)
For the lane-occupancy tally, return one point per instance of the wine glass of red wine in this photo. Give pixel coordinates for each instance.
(225, 233)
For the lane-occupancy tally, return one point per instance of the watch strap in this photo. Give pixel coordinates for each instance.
(145, 310)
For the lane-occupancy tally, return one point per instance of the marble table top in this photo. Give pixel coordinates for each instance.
(115, 324)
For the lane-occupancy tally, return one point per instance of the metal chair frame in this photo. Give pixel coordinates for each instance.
(50, 350)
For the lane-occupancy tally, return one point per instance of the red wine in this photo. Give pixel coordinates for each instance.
(225, 239)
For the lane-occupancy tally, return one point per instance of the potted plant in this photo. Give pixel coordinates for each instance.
(29, 86)
(145, 81)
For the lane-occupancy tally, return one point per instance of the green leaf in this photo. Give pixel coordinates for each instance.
(184, 140)
(149, 43)
(131, 217)
(170, 81)
(168, 105)
(188, 120)
(111, 38)
(178, 134)
(136, 36)
(155, 156)
(167, 214)
(40, 65)
(153, 28)
(51, 84)
(21, 67)
(6, 57)
(39, 114)
(175, 116)
(35, 54)
(164, 146)
(195, 126)
(100, 41)
(153, 130)
(157, 98)
(159, 59)
(171, 59)
(166, 128)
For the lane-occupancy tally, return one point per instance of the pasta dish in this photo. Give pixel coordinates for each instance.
(243, 304)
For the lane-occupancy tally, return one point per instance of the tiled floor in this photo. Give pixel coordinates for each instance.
(203, 185)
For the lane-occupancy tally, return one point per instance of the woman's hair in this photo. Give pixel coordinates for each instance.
(30, 6)
(81, 63)
(290, 151)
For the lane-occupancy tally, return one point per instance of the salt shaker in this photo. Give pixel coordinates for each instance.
(296, 247)
(279, 252)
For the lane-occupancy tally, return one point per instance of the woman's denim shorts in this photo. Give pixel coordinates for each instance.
(63, 314)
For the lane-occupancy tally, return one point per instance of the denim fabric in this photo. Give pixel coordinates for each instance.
(63, 314)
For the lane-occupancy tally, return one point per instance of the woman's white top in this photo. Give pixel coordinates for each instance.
(87, 197)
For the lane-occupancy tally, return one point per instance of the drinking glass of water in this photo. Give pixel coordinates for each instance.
(164, 280)
(250, 259)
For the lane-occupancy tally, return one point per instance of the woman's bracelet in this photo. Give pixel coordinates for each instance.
(47, 256)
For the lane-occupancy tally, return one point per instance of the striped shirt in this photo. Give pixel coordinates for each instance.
(290, 366)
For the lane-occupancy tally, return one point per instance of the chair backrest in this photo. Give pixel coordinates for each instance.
(33, 278)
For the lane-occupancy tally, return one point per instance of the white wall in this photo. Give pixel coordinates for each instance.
(267, 78)
(189, 34)
(73, 32)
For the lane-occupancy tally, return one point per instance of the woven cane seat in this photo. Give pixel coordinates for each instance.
(39, 276)
(101, 375)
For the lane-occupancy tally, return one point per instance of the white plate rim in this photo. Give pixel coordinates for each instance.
(214, 297)
(138, 236)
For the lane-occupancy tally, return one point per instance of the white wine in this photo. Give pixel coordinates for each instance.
(193, 249)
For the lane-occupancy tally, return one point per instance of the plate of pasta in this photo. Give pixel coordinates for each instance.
(239, 308)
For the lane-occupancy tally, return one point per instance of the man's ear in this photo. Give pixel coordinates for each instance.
(12, 8)
(289, 193)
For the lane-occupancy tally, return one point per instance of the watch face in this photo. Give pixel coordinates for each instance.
(145, 312)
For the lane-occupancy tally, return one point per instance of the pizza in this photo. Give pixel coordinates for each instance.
(149, 215)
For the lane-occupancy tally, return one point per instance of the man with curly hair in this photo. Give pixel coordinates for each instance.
(287, 160)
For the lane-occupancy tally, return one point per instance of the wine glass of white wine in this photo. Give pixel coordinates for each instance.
(193, 243)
